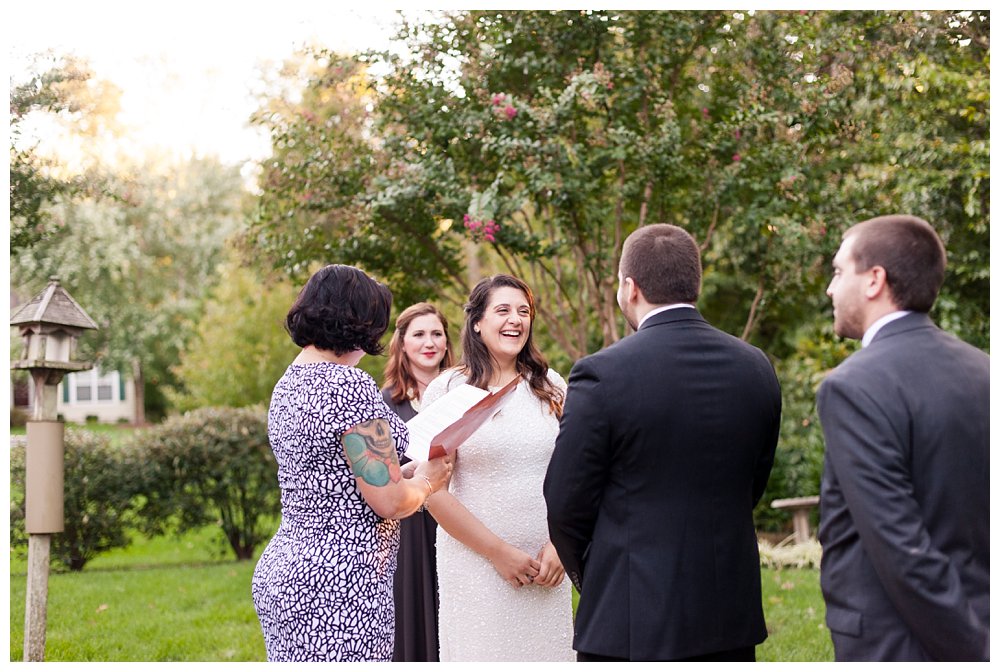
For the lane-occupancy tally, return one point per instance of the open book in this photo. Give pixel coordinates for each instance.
(446, 424)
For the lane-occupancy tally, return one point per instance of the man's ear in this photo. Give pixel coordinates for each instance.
(877, 284)
(631, 290)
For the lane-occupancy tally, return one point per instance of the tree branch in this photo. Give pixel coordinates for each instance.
(711, 228)
(752, 317)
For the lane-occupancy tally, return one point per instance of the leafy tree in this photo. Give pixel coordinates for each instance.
(139, 264)
(318, 203)
(562, 131)
(240, 348)
(927, 103)
(66, 91)
(535, 141)
(135, 240)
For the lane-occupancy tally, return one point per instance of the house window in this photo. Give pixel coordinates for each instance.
(93, 385)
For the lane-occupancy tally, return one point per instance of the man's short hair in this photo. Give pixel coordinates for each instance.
(663, 260)
(911, 253)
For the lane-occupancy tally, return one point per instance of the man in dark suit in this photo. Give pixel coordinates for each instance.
(665, 445)
(904, 504)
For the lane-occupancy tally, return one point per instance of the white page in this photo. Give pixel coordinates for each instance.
(429, 422)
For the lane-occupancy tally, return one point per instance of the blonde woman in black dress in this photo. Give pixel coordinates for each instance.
(419, 351)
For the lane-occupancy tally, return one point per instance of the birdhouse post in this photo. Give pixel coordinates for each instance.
(49, 324)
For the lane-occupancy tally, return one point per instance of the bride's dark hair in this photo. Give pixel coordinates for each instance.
(478, 364)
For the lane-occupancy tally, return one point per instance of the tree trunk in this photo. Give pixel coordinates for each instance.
(139, 393)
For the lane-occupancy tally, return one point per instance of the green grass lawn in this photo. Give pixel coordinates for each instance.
(182, 599)
(796, 617)
(162, 599)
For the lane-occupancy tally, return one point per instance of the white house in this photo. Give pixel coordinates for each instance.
(104, 395)
(108, 397)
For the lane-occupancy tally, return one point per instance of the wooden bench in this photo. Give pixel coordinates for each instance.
(799, 506)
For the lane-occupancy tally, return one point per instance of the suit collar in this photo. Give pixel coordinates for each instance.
(673, 315)
(660, 309)
(881, 322)
(903, 324)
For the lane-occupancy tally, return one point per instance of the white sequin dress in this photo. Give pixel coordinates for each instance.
(498, 477)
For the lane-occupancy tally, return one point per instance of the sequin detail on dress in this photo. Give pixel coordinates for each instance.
(498, 477)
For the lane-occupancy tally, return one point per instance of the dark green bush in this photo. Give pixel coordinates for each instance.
(798, 460)
(100, 486)
(212, 465)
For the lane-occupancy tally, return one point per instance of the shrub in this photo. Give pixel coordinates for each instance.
(212, 465)
(100, 485)
(798, 461)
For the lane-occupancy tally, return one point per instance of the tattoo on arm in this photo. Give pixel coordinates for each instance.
(371, 452)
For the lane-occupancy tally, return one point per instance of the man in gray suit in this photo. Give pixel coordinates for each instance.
(904, 504)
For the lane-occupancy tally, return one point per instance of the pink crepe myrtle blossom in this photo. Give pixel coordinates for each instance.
(481, 230)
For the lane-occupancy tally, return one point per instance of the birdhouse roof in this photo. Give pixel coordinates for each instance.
(53, 305)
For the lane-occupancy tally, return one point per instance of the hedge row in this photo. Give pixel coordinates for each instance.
(213, 465)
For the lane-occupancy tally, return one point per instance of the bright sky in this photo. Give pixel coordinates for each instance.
(187, 68)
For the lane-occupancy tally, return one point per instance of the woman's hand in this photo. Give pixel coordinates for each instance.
(408, 469)
(436, 471)
(550, 573)
(514, 565)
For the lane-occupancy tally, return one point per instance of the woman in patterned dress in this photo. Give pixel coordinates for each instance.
(502, 594)
(420, 350)
(323, 586)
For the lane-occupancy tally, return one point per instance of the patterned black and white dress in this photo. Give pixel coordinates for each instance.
(323, 586)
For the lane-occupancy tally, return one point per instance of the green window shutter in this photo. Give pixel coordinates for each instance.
(65, 384)
(121, 387)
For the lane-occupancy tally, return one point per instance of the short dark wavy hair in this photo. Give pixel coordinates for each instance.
(340, 309)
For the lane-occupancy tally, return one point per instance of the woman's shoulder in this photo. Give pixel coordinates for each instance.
(446, 381)
(338, 376)
(353, 375)
(556, 379)
(451, 377)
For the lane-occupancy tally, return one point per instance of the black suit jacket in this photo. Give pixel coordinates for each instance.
(904, 505)
(665, 445)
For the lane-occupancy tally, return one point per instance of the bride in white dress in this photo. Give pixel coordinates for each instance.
(500, 582)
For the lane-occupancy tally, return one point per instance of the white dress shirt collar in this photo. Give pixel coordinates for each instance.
(879, 323)
(660, 309)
